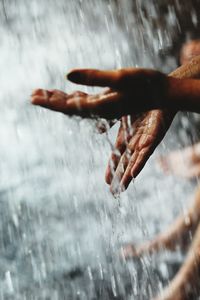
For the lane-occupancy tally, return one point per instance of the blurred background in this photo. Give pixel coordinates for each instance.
(60, 228)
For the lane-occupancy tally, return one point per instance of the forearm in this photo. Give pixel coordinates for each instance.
(189, 70)
(183, 94)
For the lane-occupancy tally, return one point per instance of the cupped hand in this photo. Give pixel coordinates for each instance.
(135, 144)
(137, 138)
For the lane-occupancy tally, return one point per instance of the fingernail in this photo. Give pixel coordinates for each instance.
(134, 173)
(74, 76)
(122, 187)
(37, 92)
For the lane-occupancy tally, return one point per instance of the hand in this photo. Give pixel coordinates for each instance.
(134, 162)
(130, 91)
(134, 145)
(134, 149)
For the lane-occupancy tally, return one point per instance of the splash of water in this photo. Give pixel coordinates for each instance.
(60, 229)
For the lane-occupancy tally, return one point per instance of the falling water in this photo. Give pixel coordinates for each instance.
(60, 228)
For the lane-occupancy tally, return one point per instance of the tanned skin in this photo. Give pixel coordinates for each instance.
(152, 99)
(131, 91)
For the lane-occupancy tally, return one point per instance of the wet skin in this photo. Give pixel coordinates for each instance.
(131, 91)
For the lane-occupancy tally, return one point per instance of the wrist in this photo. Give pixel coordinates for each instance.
(183, 94)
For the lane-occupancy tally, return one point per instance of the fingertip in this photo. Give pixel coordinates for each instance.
(36, 100)
(75, 75)
(108, 176)
(110, 171)
(136, 170)
(40, 97)
(37, 92)
(125, 183)
(33, 100)
(116, 190)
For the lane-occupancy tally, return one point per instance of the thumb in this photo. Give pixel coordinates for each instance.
(94, 77)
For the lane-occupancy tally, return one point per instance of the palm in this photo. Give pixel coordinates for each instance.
(136, 140)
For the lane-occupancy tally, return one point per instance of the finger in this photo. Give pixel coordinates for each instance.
(150, 130)
(58, 101)
(105, 106)
(94, 77)
(124, 170)
(135, 165)
(129, 125)
(112, 165)
(141, 161)
(41, 93)
(54, 94)
(117, 79)
(119, 148)
(127, 176)
(116, 186)
(53, 99)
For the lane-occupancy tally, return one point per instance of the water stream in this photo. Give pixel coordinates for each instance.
(60, 228)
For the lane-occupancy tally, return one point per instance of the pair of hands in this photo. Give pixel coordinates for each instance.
(130, 92)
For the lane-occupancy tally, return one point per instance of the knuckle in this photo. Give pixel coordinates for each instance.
(54, 91)
(78, 94)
